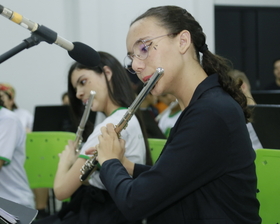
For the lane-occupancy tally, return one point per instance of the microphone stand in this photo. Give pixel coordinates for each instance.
(41, 34)
(27, 43)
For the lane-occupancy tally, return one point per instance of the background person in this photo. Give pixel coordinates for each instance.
(65, 99)
(8, 96)
(14, 185)
(149, 113)
(92, 203)
(170, 115)
(275, 85)
(242, 80)
(7, 92)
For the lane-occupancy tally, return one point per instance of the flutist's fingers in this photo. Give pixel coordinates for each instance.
(110, 128)
(91, 150)
(110, 147)
(71, 144)
(67, 157)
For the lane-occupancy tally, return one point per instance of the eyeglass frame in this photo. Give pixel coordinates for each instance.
(146, 46)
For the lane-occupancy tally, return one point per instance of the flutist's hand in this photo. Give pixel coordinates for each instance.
(90, 151)
(110, 146)
(68, 156)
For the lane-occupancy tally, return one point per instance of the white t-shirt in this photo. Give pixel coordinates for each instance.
(100, 117)
(167, 121)
(253, 136)
(134, 142)
(14, 185)
(25, 117)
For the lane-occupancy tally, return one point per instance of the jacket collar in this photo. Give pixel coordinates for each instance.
(210, 82)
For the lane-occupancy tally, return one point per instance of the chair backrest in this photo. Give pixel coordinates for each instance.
(268, 174)
(156, 146)
(42, 149)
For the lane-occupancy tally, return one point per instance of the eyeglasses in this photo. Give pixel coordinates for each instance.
(140, 51)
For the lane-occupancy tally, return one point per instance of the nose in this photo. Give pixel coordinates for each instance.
(138, 65)
(79, 93)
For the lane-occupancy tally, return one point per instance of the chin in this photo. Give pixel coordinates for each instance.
(94, 108)
(155, 91)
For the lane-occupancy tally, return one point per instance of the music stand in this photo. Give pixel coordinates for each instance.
(53, 118)
(266, 96)
(266, 122)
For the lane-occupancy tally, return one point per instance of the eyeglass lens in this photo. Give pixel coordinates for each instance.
(140, 50)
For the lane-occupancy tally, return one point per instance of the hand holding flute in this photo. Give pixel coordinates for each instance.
(114, 146)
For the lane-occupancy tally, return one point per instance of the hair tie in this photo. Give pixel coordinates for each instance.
(203, 48)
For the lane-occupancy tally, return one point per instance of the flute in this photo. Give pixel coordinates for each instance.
(91, 164)
(79, 134)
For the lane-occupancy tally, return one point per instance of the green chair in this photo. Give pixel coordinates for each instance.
(268, 174)
(156, 146)
(42, 149)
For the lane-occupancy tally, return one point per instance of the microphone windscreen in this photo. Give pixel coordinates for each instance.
(84, 54)
(1, 9)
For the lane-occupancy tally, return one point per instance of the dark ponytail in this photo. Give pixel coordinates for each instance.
(212, 64)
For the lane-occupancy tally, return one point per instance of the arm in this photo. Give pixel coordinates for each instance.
(9, 138)
(132, 168)
(175, 174)
(133, 145)
(68, 172)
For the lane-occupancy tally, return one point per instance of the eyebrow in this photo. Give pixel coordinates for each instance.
(78, 80)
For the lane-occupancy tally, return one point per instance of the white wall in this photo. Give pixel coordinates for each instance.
(39, 74)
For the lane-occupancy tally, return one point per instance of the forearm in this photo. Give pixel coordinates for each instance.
(61, 173)
(67, 179)
(128, 165)
(60, 181)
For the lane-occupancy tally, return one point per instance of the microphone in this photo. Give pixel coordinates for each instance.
(78, 51)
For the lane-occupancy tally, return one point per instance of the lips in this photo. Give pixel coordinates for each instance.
(146, 78)
(85, 102)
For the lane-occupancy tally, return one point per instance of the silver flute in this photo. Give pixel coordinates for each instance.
(79, 134)
(91, 164)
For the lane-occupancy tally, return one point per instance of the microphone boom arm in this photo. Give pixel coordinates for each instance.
(78, 51)
(31, 41)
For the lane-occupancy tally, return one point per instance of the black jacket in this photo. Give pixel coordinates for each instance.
(205, 174)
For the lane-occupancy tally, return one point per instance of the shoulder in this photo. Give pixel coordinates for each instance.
(6, 114)
(10, 120)
(114, 118)
(218, 101)
(214, 109)
(23, 112)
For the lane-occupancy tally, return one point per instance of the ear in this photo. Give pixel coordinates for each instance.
(244, 87)
(185, 41)
(108, 72)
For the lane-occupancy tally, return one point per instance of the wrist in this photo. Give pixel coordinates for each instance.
(64, 165)
(128, 165)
